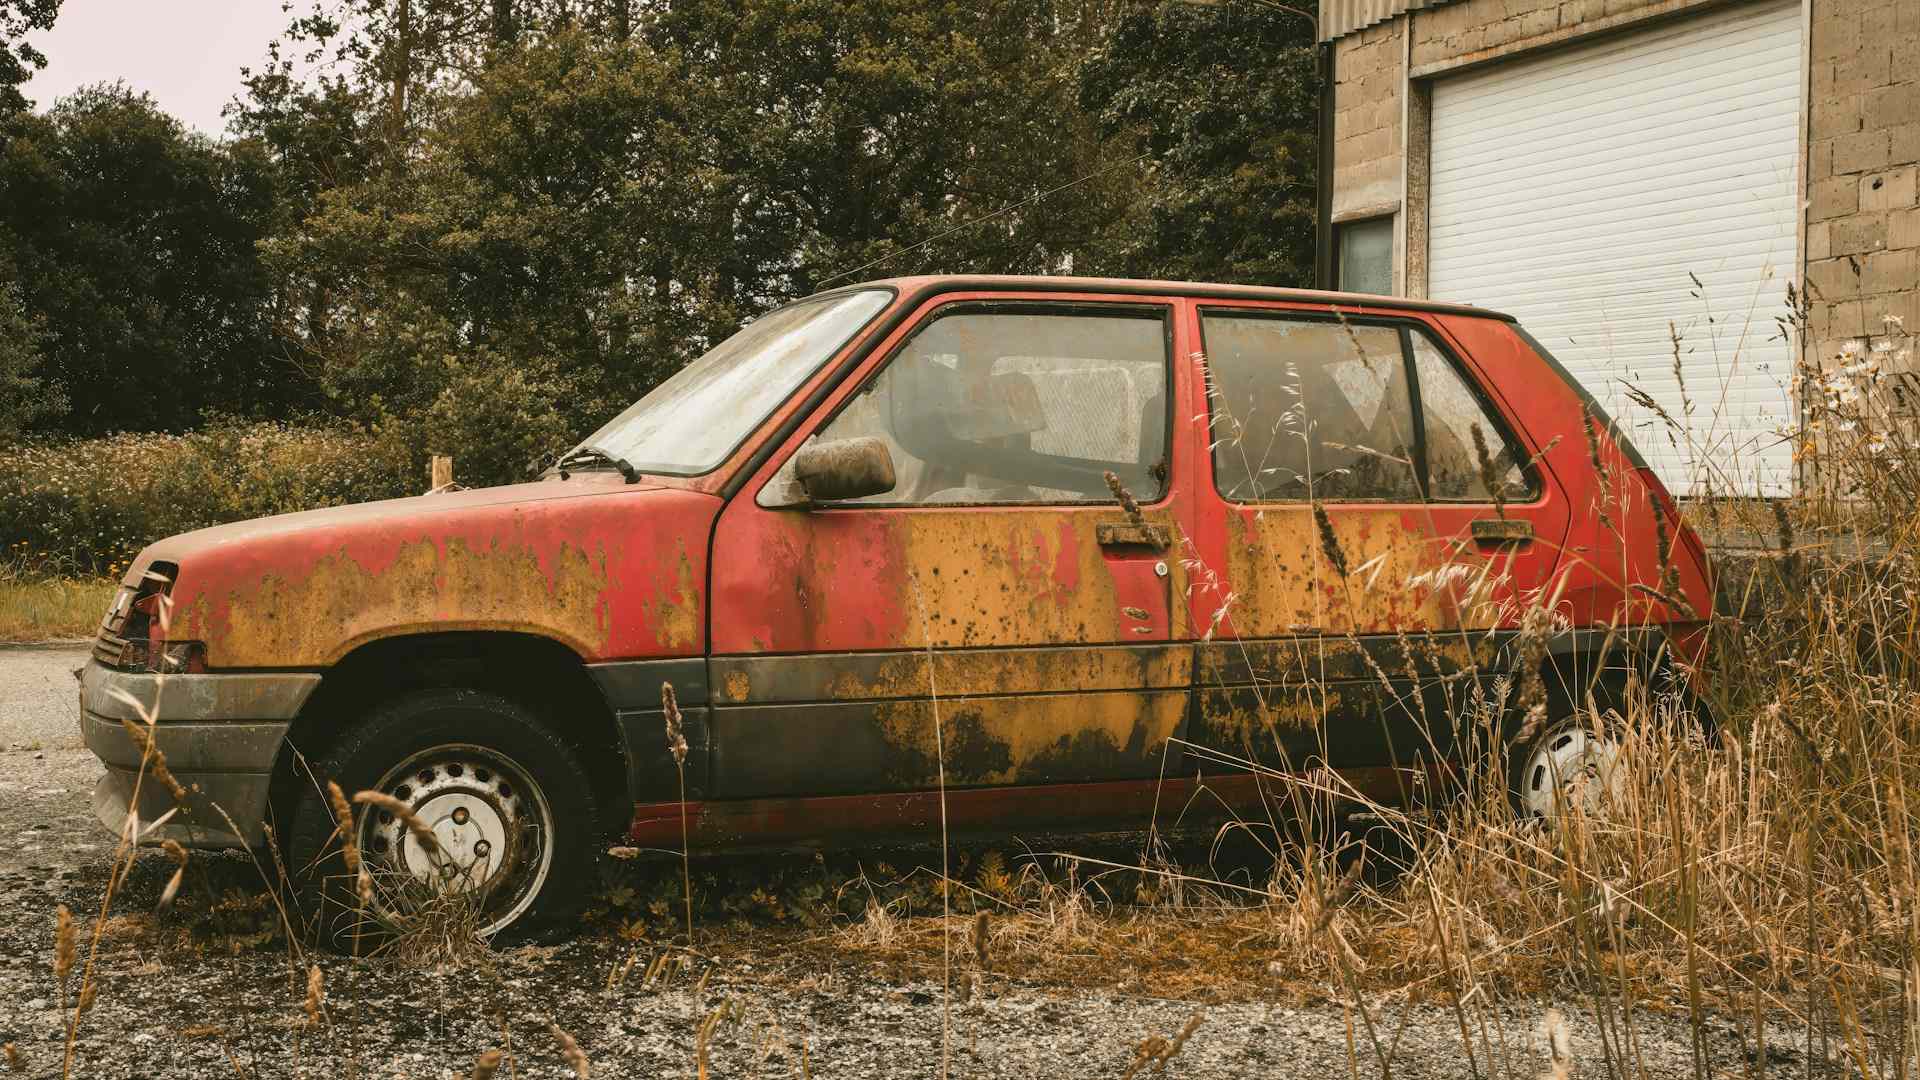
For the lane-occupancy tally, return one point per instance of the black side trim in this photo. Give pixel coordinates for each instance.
(635, 684)
(901, 674)
(632, 690)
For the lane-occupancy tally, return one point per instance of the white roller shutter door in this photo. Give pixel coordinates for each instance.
(1585, 190)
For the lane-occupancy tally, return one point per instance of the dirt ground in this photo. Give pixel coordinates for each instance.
(183, 994)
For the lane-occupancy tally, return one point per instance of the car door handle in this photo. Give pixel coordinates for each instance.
(1502, 530)
(1131, 534)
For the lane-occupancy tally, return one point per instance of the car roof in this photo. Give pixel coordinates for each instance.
(928, 284)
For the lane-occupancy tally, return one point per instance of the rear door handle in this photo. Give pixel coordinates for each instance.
(1502, 531)
(1129, 534)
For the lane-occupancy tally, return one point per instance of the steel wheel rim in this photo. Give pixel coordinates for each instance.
(1572, 767)
(492, 821)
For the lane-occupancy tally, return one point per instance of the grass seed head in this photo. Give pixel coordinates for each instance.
(570, 1051)
(1329, 543)
(422, 835)
(676, 729)
(179, 856)
(1125, 498)
(350, 844)
(485, 1066)
(316, 995)
(1489, 474)
(66, 945)
(1559, 1047)
(155, 761)
(343, 819)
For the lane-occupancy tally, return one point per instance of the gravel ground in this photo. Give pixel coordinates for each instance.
(39, 699)
(179, 999)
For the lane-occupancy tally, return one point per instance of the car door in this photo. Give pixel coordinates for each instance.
(1371, 518)
(997, 622)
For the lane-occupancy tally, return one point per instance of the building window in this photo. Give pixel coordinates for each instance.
(1365, 255)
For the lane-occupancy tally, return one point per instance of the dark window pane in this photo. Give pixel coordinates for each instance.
(1452, 411)
(1366, 256)
(1308, 410)
(1002, 407)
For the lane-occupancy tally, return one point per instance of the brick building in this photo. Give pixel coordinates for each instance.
(1622, 173)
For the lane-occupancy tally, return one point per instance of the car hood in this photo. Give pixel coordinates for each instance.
(404, 512)
(610, 569)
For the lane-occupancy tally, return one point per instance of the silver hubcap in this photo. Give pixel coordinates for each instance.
(1570, 768)
(492, 822)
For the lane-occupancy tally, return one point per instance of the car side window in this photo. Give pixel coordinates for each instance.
(1308, 409)
(1450, 412)
(1019, 405)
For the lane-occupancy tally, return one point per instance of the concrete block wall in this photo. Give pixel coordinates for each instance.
(1469, 31)
(1863, 171)
(1862, 164)
(1369, 82)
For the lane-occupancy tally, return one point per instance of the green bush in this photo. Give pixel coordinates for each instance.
(88, 506)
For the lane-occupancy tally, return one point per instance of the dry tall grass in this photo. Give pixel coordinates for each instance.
(37, 606)
(1767, 875)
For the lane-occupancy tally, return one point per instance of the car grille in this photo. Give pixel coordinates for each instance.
(109, 643)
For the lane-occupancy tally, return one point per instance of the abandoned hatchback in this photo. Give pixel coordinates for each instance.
(1015, 554)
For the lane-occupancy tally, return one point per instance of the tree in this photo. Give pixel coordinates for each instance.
(878, 124)
(23, 396)
(588, 212)
(1223, 97)
(19, 60)
(135, 244)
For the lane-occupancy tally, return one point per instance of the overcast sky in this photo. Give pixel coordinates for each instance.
(186, 53)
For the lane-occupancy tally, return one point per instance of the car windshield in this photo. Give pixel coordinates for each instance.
(690, 423)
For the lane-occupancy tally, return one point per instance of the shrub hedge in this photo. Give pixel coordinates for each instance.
(88, 506)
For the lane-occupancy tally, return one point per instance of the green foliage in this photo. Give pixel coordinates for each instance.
(89, 506)
(23, 396)
(1223, 96)
(591, 213)
(134, 242)
(19, 60)
(487, 225)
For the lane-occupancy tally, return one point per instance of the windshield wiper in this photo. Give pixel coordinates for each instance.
(591, 455)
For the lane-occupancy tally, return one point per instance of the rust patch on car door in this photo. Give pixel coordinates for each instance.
(1047, 657)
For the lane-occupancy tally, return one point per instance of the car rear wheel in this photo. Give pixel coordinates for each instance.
(1573, 765)
(502, 820)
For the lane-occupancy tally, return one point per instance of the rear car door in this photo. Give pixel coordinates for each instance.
(999, 587)
(1370, 516)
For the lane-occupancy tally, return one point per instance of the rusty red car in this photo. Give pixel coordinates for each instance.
(1015, 554)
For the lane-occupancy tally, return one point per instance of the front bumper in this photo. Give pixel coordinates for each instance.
(221, 735)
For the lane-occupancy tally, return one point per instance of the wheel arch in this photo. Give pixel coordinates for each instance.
(1608, 662)
(541, 673)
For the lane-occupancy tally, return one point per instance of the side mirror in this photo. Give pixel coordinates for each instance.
(841, 469)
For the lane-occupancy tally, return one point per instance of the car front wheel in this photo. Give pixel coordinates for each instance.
(483, 803)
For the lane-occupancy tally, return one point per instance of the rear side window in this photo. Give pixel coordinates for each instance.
(1308, 410)
(1318, 409)
(1452, 416)
(1027, 404)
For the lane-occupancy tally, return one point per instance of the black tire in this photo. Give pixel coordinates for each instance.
(449, 721)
